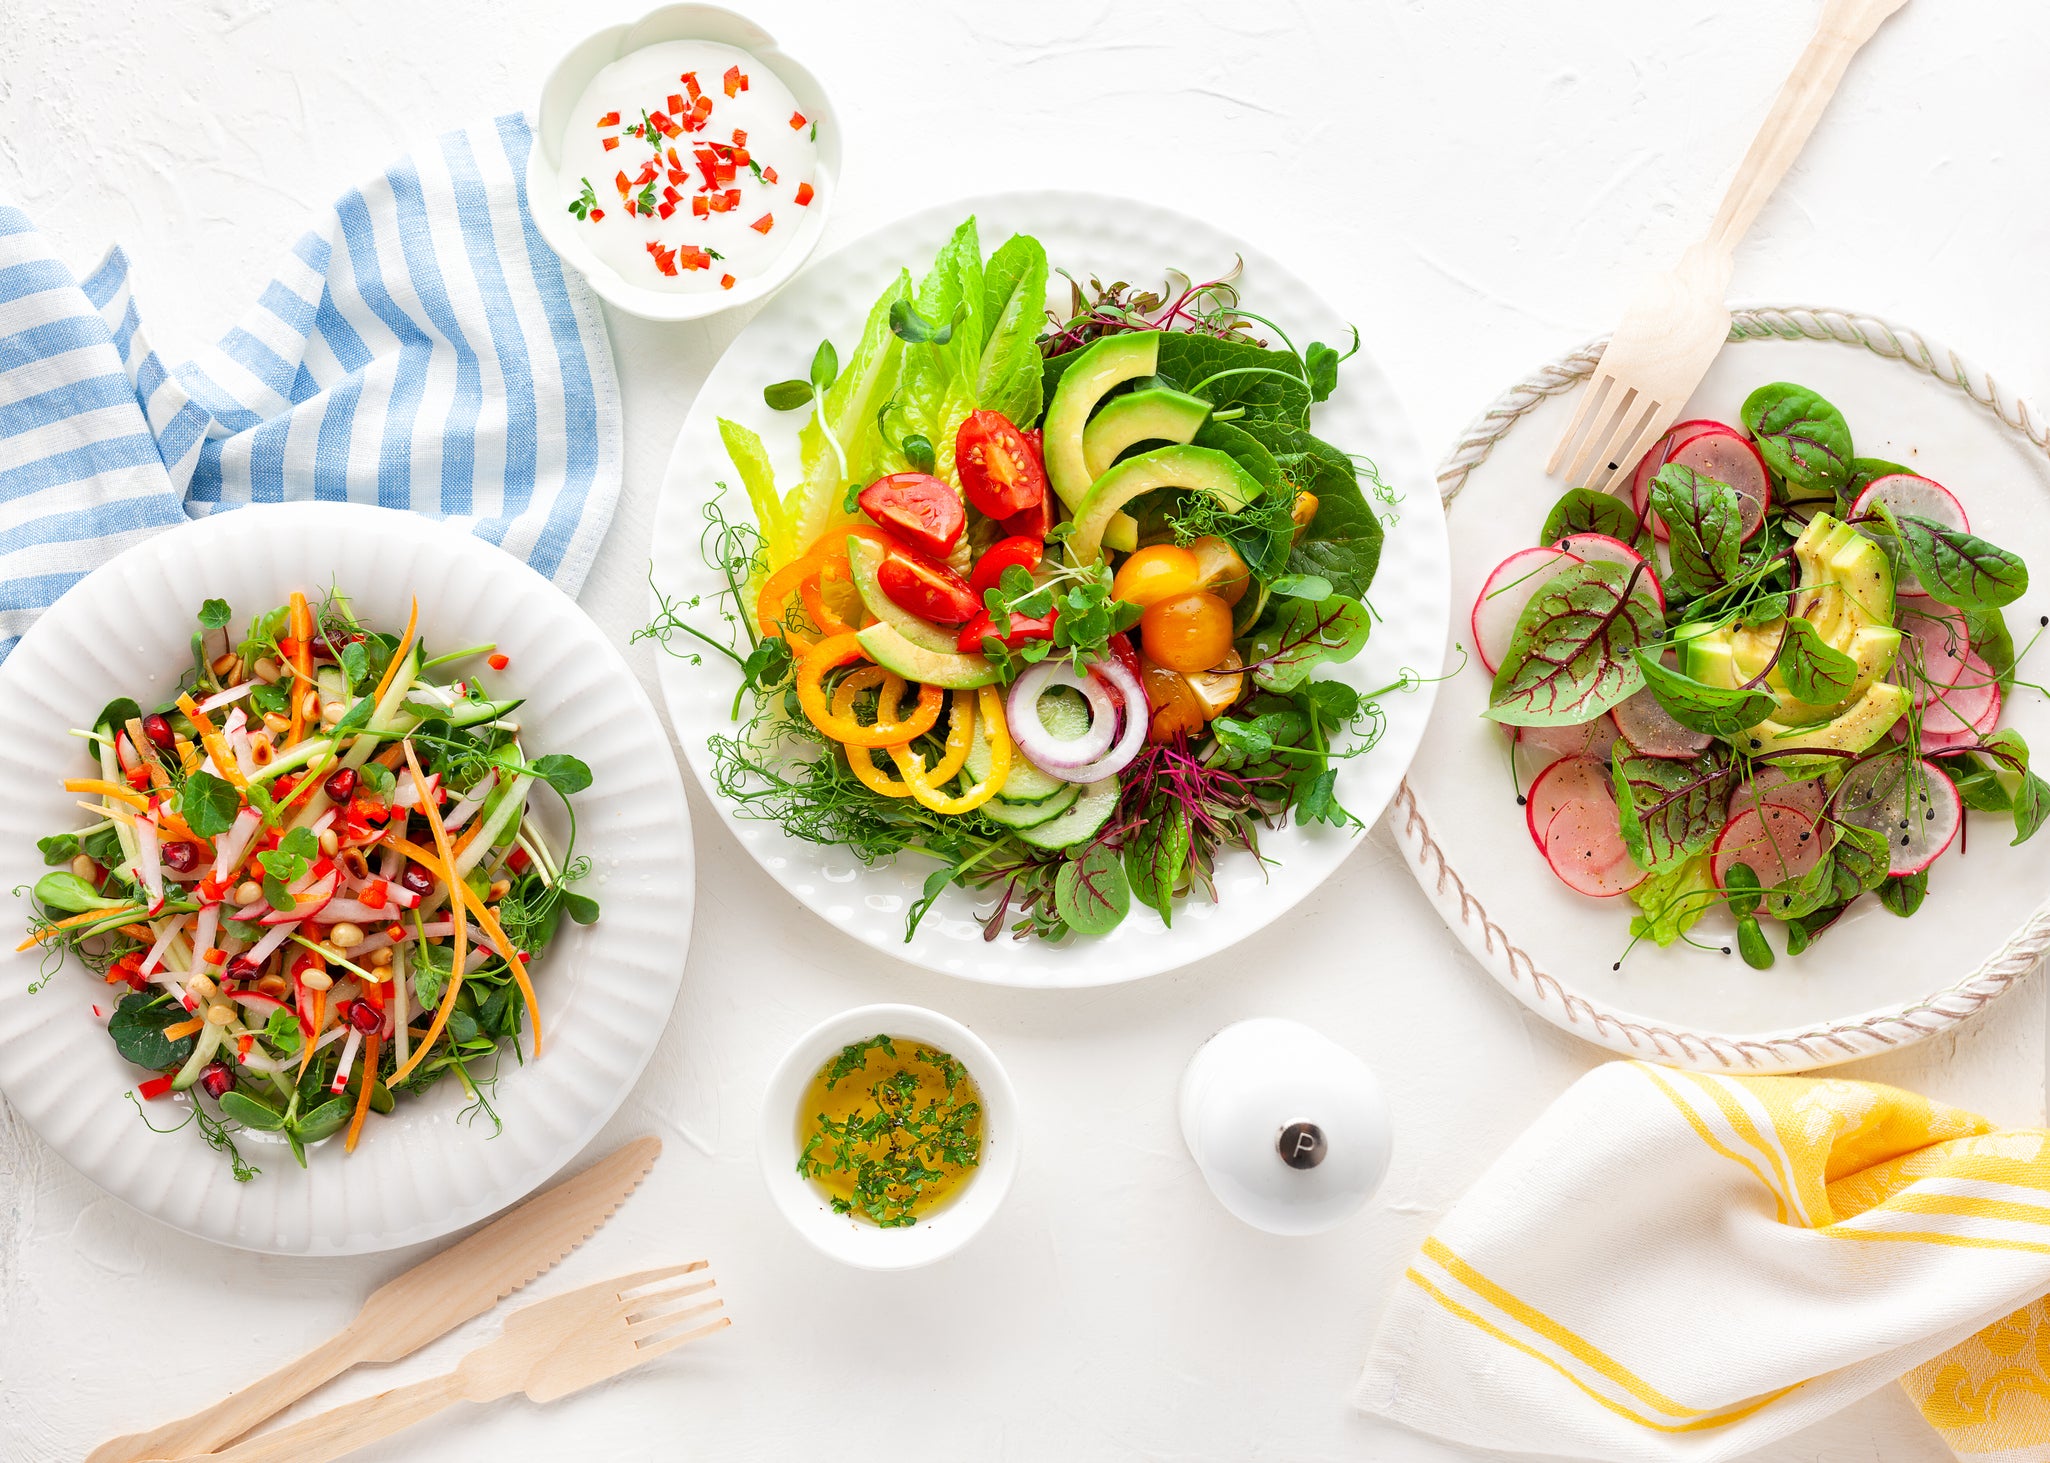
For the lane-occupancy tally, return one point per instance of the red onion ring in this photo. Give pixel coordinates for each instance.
(1132, 738)
(1049, 753)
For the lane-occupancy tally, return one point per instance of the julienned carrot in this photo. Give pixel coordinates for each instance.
(309, 1038)
(87, 918)
(372, 1049)
(462, 932)
(107, 789)
(302, 663)
(184, 1029)
(224, 762)
(405, 644)
(466, 898)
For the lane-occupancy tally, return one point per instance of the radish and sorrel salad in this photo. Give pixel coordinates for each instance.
(1047, 603)
(312, 876)
(1771, 679)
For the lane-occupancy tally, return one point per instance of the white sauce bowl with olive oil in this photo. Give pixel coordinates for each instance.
(889, 1136)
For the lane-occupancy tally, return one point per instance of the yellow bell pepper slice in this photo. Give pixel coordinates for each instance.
(998, 733)
(862, 759)
(835, 651)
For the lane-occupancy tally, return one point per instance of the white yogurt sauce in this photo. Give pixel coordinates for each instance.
(679, 227)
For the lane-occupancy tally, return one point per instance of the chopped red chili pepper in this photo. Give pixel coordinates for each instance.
(768, 175)
(498, 662)
(690, 84)
(735, 82)
(665, 209)
(619, 180)
(597, 214)
(700, 207)
(670, 195)
(610, 119)
(796, 121)
(740, 157)
(676, 104)
(610, 143)
(700, 110)
(156, 1086)
(804, 195)
(739, 137)
(725, 281)
(763, 224)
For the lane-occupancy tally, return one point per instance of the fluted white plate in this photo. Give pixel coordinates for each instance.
(1873, 982)
(1086, 234)
(605, 991)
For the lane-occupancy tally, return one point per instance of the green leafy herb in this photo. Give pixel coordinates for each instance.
(584, 202)
(208, 804)
(1717, 711)
(1583, 510)
(137, 1027)
(1671, 810)
(1814, 670)
(1703, 521)
(566, 774)
(1801, 436)
(1574, 652)
(1092, 892)
(1959, 568)
(59, 848)
(214, 614)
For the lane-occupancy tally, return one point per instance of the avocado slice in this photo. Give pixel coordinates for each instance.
(1155, 414)
(1199, 469)
(950, 669)
(1108, 363)
(865, 557)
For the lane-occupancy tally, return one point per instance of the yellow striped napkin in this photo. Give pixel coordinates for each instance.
(1672, 1265)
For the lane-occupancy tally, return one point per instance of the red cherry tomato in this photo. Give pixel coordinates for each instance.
(1000, 471)
(1001, 555)
(919, 509)
(1033, 522)
(1022, 629)
(1121, 649)
(925, 589)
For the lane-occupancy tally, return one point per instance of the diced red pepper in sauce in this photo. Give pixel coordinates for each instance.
(804, 195)
(692, 257)
(701, 207)
(665, 209)
(768, 175)
(735, 82)
(739, 137)
(763, 224)
(796, 121)
(676, 104)
(725, 281)
(690, 84)
(677, 175)
(670, 195)
(700, 110)
(610, 119)
(610, 143)
(597, 214)
(740, 157)
(620, 180)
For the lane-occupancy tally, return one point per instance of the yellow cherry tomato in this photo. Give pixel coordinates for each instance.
(1220, 569)
(1153, 574)
(1174, 708)
(1191, 632)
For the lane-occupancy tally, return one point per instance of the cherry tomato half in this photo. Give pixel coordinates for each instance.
(925, 589)
(1155, 573)
(1033, 522)
(1001, 555)
(1175, 710)
(1021, 630)
(1191, 632)
(1220, 569)
(1000, 471)
(919, 509)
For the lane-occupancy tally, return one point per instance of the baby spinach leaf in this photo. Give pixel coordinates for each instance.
(1959, 568)
(117, 714)
(1583, 510)
(208, 804)
(1157, 856)
(1092, 893)
(1297, 636)
(1904, 893)
(1574, 653)
(1672, 810)
(1717, 711)
(1704, 524)
(1801, 437)
(137, 1028)
(1226, 373)
(1814, 670)
(2030, 795)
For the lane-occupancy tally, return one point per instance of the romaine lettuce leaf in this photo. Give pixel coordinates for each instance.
(865, 382)
(751, 460)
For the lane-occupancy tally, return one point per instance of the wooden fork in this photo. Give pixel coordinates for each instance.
(547, 1350)
(1677, 322)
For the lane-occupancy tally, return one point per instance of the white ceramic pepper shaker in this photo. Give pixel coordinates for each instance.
(1288, 1127)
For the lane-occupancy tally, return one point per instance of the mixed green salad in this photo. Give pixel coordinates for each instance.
(311, 877)
(1771, 680)
(1047, 603)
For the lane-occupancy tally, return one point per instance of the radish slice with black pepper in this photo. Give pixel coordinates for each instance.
(1780, 844)
(1584, 846)
(1771, 786)
(1651, 731)
(1969, 706)
(1570, 779)
(1906, 493)
(1660, 454)
(1914, 804)
(1727, 455)
(1934, 646)
(1541, 746)
(1515, 582)
(1600, 548)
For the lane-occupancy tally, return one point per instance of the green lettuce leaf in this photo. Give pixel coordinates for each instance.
(848, 409)
(1673, 901)
(1013, 310)
(751, 461)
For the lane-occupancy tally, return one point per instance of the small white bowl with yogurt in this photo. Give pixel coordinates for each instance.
(683, 164)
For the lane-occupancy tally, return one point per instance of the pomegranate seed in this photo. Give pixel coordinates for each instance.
(243, 968)
(340, 785)
(417, 880)
(157, 730)
(180, 856)
(216, 1079)
(364, 1016)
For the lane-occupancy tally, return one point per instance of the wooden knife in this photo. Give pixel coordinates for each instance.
(429, 1300)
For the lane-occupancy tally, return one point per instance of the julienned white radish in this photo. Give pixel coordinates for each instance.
(1570, 779)
(1651, 730)
(1970, 704)
(1779, 844)
(1907, 493)
(1541, 746)
(1049, 753)
(1600, 548)
(1912, 803)
(1769, 785)
(1934, 646)
(1131, 736)
(1725, 454)
(1513, 584)
(1585, 848)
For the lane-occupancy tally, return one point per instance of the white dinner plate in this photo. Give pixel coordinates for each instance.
(605, 991)
(1086, 234)
(1873, 981)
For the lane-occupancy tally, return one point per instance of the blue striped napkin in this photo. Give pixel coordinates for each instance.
(421, 348)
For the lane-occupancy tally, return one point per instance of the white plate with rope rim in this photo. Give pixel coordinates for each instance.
(606, 990)
(1871, 983)
(1113, 239)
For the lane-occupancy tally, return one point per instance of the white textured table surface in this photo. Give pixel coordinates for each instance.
(1474, 180)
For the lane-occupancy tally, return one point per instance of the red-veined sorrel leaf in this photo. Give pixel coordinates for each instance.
(1574, 653)
(1671, 810)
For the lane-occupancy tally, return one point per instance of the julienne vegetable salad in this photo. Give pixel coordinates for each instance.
(1771, 680)
(1046, 604)
(312, 876)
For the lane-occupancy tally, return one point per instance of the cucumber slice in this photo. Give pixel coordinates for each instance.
(476, 713)
(1031, 815)
(1023, 784)
(1092, 810)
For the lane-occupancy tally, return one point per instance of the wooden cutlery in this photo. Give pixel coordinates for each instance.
(426, 1302)
(1673, 328)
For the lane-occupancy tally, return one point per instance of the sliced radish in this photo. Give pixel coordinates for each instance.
(1584, 846)
(1515, 582)
(1771, 786)
(1778, 843)
(1905, 493)
(1568, 780)
(1599, 548)
(1934, 648)
(1971, 703)
(1544, 745)
(1914, 804)
(1662, 453)
(1651, 731)
(1722, 453)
